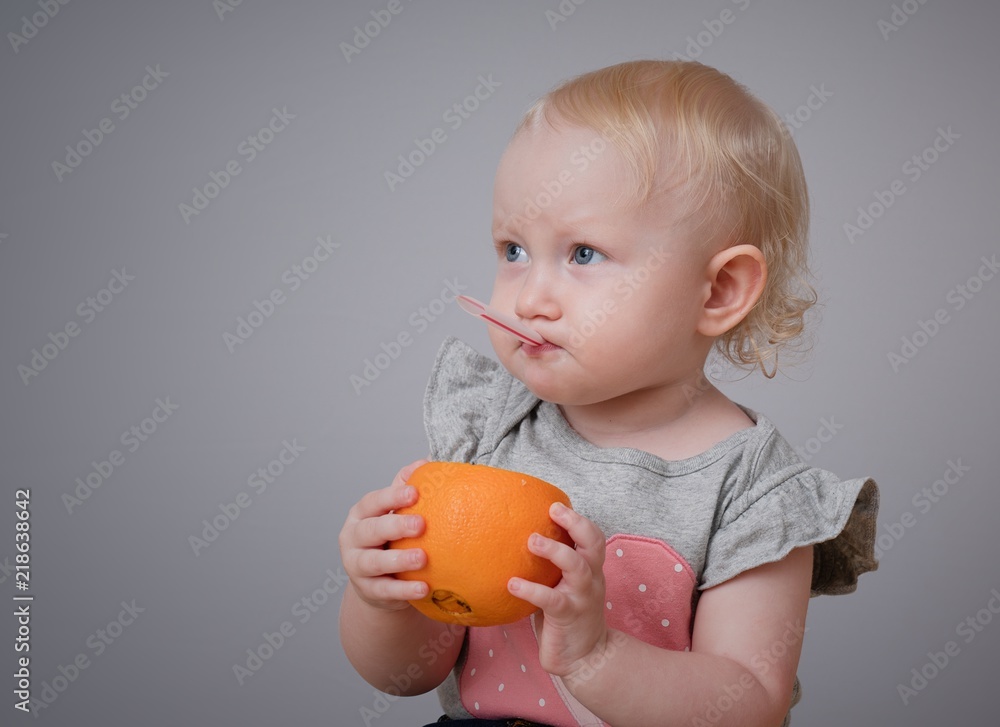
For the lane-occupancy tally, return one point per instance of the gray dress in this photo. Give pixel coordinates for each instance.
(673, 528)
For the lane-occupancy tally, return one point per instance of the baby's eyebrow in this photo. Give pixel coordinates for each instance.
(501, 228)
(507, 225)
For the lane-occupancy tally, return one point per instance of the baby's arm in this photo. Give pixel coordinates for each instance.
(745, 646)
(382, 634)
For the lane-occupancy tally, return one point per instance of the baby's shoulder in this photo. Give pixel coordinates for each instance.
(469, 402)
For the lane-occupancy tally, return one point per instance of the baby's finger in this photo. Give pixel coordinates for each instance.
(577, 573)
(374, 532)
(404, 473)
(380, 502)
(536, 594)
(385, 589)
(590, 541)
(377, 562)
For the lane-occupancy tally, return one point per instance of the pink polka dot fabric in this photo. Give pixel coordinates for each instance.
(650, 591)
(649, 594)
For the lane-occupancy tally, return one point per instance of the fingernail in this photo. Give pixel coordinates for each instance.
(409, 493)
(558, 508)
(412, 522)
(513, 585)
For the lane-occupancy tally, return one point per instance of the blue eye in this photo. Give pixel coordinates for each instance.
(514, 253)
(586, 255)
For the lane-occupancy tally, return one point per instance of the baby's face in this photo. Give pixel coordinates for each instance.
(615, 291)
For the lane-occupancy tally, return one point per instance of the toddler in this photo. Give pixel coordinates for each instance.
(643, 214)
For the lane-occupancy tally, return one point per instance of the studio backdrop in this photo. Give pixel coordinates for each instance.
(231, 234)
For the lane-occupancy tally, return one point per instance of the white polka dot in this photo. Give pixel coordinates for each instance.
(665, 622)
(678, 567)
(476, 705)
(500, 688)
(505, 634)
(491, 652)
(642, 587)
(472, 673)
(524, 668)
(608, 604)
(541, 702)
(687, 648)
(619, 552)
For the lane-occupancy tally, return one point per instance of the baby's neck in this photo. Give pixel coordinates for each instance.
(673, 425)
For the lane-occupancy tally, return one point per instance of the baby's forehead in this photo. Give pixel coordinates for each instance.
(582, 142)
(658, 152)
(649, 170)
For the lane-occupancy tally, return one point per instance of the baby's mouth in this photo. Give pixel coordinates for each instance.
(532, 349)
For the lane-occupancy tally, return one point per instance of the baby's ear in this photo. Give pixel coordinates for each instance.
(736, 277)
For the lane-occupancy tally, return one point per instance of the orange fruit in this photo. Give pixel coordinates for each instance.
(477, 523)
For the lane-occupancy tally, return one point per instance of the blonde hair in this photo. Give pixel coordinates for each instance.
(741, 174)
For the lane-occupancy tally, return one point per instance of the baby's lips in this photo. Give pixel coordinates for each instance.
(545, 342)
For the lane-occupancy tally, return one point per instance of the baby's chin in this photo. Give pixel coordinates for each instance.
(547, 379)
(507, 354)
(553, 388)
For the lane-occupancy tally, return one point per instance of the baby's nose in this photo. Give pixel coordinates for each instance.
(537, 298)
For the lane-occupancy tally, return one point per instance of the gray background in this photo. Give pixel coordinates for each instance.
(323, 175)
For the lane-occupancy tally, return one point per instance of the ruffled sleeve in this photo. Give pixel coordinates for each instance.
(790, 505)
(459, 401)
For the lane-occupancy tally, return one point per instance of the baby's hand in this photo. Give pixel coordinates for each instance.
(571, 626)
(369, 526)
